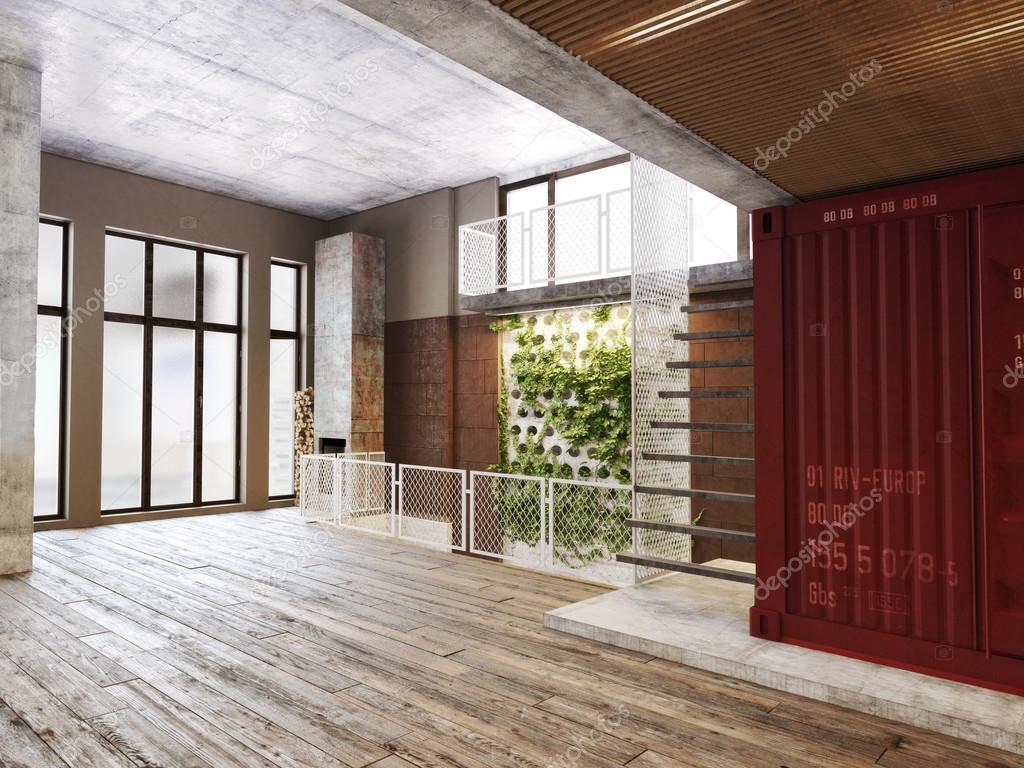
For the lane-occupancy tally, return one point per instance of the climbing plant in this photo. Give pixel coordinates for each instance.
(582, 392)
(576, 381)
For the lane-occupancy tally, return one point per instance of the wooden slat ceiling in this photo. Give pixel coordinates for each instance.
(741, 73)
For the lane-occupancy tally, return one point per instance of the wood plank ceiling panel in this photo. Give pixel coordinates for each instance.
(946, 94)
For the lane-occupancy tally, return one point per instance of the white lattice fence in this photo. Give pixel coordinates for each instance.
(432, 506)
(506, 517)
(366, 490)
(587, 528)
(317, 484)
(571, 527)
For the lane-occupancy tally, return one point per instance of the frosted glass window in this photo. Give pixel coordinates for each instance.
(220, 409)
(598, 182)
(174, 282)
(189, 411)
(47, 416)
(220, 289)
(173, 416)
(283, 293)
(526, 199)
(125, 275)
(282, 416)
(121, 483)
(51, 264)
(714, 228)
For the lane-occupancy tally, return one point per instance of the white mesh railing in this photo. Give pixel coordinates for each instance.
(577, 240)
(660, 287)
(492, 254)
(570, 527)
(432, 506)
(506, 517)
(587, 528)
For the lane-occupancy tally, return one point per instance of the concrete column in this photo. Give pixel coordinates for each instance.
(19, 243)
(348, 356)
(742, 234)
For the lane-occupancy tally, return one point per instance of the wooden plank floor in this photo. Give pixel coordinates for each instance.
(253, 639)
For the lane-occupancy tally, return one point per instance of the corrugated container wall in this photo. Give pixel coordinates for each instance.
(890, 438)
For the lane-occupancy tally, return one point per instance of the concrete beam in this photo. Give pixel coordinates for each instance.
(489, 41)
(704, 278)
(19, 242)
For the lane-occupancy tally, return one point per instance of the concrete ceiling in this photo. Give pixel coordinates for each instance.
(302, 105)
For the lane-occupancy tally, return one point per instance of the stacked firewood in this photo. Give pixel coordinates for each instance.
(304, 441)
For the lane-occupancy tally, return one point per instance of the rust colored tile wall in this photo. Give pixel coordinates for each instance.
(418, 391)
(738, 517)
(441, 392)
(476, 393)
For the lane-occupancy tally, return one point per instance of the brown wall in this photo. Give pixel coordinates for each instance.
(93, 199)
(418, 242)
(720, 477)
(421, 238)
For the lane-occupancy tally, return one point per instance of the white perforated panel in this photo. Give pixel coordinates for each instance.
(660, 289)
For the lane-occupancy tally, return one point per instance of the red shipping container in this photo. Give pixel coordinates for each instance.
(889, 391)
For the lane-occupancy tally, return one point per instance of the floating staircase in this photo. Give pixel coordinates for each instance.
(691, 529)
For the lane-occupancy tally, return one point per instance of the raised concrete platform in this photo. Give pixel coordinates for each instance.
(702, 623)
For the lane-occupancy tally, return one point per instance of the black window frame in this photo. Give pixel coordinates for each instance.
(296, 337)
(198, 326)
(63, 313)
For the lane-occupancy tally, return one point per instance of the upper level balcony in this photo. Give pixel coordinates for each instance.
(574, 229)
(582, 239)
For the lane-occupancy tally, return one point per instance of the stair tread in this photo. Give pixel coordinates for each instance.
(737, 363)
(711, 426)
(700, 393)
(696, 493)
(699, 458)
(694, 568)
(720, 306)
(692, 530)
(698, 335)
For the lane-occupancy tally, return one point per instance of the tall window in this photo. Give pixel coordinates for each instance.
(171, 376)
(50, 370)
(285, 375)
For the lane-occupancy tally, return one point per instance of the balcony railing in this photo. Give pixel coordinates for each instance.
(567, 242)
(572, 527)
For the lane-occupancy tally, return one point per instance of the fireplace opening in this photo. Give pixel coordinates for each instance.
(331, 445)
